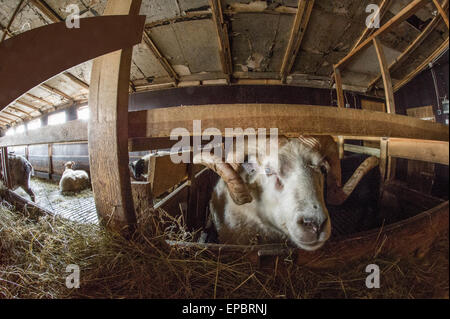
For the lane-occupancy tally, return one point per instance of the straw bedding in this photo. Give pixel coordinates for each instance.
(34, 253)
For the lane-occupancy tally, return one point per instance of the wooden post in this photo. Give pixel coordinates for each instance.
(108, 131)
(339, 90)
(387, 81)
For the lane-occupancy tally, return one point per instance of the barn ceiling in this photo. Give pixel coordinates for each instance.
(181, 46)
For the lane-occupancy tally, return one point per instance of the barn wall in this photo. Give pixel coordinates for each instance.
(422, 92)
(230, 94)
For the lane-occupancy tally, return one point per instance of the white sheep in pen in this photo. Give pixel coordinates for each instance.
(281, 202)
(73, 180)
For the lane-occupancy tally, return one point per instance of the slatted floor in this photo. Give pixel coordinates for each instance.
(77, 207)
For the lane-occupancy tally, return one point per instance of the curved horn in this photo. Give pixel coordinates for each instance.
(236, 186)
(336, 193)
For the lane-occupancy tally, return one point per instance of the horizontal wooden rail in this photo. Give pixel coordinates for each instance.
(420, 150)
(291, 120)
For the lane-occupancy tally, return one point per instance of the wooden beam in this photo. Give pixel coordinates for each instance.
(442, 12)
(46, 10)
(291, 120)
(339, 89)
(413, 46)
(162, 60)
(9, 120)
(222, 37)
(16, 11)
(76, 80)
(34, 108)
(419, 150)
(383, 8)
(56, 91)
(298, 30)
(108, 129)
(404, 14)
(11, 114)
(390, 102)
(423, 65)
(19, 110)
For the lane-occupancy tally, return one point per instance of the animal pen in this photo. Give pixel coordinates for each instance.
(400, 209)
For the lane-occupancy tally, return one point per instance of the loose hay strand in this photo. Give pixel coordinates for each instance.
(34, 255)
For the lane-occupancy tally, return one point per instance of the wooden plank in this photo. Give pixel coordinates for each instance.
(298, 31)
(28, 52)
(423, 65)
(410, 49)
(339, 90)
(291, 120)
(222, 37)
(108, 127)
(164, 174)
(442, 12)
(419, 150)
(68, 132)
(404, 14)
(423, 112)
(387, 81)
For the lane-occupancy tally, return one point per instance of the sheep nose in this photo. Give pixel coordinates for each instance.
(311, 224)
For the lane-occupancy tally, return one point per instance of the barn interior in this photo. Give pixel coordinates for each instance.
(371, 74)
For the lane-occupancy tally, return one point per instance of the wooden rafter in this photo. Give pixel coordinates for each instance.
(297, 32)
(30, 106)
(76, 80)
(12, 114)
(16, 11)
(387, 81)
(42, 6)
(37, 98)
(339, 90)
(19, 110)
(442, 12)
(56, 91)
(222, 37)
(413, 46)
(404, 14)
(423, 65)
(164, 63)
(383, 8)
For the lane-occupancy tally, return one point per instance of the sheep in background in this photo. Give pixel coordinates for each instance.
(20, 171)
(73, 180)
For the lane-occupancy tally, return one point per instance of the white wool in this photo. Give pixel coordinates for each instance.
(73, 180)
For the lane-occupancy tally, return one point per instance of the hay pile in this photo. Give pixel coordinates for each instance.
(34, 256)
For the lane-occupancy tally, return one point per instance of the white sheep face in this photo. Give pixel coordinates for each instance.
(292, 194)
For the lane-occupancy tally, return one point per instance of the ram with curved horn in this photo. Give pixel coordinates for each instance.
(279, 196)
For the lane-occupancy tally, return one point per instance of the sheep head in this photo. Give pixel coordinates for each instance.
(289, 185)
